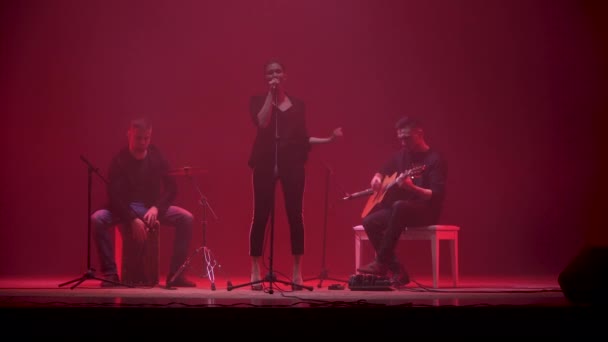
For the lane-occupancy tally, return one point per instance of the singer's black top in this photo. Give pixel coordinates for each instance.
(433, 177)
(146, 181)
(293, 135)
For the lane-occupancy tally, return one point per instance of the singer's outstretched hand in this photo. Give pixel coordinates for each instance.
(337, 132)
(334, 134)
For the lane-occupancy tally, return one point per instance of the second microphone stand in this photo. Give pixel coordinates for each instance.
(323, 275)
(210, 261)
(90, 273)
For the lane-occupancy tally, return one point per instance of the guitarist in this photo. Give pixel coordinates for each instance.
(412, 201)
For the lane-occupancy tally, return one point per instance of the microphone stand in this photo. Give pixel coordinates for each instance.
(270, 277)
(210, 260)
(323, 275)
(90, 273)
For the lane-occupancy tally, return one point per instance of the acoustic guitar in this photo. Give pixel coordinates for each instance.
(387, 183)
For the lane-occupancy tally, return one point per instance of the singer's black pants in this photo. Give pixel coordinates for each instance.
(292, 180)
(385, 224)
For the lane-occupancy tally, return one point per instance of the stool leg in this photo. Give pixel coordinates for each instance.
(357, 252)
(454, 252)
(118, 251)
(435, 259)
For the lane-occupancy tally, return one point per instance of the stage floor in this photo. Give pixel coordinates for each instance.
(478, 291)
(478, 306)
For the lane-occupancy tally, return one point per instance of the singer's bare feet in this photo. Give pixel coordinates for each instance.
(297, 271)
(297, 277)
(297, 280)
(255, 274)
(255, 284)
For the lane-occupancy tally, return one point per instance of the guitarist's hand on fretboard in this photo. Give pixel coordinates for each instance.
(405, 183)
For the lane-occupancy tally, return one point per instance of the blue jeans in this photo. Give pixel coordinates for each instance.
(103, 222)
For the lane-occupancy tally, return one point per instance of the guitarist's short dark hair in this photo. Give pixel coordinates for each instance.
(140, 123)
(407, 121)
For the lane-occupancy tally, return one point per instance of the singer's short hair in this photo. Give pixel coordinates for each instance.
(410, 122)
(273, 60)
(140, 123)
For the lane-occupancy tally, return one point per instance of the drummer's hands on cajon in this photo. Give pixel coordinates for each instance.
(151, 216)
(138, 230)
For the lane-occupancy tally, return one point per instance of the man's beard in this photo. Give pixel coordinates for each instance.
(140, 149)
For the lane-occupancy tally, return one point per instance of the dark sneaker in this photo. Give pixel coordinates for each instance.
(395, 267)
(111, 281)
(400, 277)
(375, 268)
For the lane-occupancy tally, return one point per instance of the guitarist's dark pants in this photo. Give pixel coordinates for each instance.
(385, 224)
(293, 180)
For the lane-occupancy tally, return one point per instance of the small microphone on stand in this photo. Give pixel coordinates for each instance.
(96, 169)
(358, 194)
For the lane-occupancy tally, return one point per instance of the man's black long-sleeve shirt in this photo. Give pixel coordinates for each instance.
(146, 180)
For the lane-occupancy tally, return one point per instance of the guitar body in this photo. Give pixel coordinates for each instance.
(387, 183)
(377, 197)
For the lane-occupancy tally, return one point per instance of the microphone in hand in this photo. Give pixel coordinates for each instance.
(273, 84)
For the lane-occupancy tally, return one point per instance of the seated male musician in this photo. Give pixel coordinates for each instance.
(415, 199)
(141, 192)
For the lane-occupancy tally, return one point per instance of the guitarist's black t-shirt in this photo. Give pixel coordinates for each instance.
(433, 177)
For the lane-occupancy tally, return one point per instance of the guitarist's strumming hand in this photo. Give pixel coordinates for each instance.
(376, 182)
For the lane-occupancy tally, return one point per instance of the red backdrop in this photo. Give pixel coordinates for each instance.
(510, 91)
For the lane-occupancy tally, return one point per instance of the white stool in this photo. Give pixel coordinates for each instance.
(434, 233)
